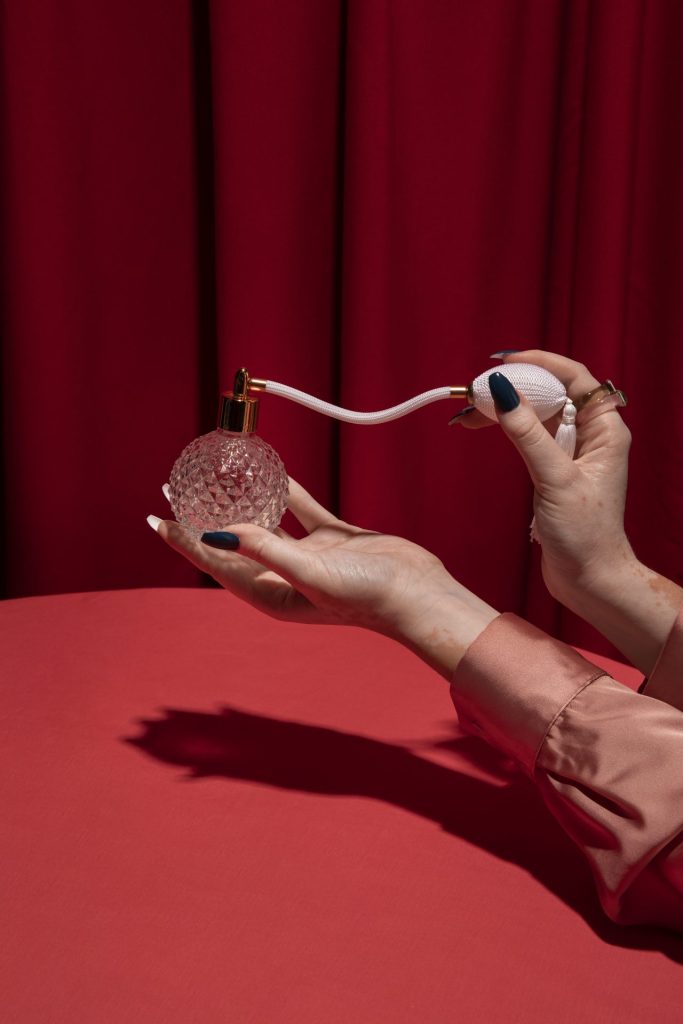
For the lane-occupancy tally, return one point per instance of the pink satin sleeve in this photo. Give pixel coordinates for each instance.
(608, 761)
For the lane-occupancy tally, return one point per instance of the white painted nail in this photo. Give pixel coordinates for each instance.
(154, 522)
(167, 493)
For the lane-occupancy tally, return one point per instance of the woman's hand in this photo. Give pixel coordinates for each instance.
(579, 504)
(336, 574)
(587, 562)
(341, 574)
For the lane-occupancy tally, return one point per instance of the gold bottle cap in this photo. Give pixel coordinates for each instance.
(238, 412)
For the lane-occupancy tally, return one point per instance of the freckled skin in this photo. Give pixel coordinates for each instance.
(666, 590)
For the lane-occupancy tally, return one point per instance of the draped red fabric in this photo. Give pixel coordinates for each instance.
(363, 199)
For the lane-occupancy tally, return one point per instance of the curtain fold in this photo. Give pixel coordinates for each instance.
(361, 198)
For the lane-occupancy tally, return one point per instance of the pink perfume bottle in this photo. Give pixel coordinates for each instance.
(230, 475)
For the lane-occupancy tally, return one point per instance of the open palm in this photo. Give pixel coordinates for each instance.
(338, 573)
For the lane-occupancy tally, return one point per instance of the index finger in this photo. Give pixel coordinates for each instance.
(576, 377)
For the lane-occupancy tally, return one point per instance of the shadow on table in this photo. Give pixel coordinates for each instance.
(508, 820)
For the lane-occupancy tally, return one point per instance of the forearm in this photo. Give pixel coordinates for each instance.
(632, 606)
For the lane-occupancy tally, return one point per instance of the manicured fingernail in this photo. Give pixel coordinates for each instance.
(504, 352)
(154, 522)
(167, 493)
(221, 539)
(463, 412)
(505, 397)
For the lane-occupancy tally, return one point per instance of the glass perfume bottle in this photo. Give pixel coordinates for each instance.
(230, 475)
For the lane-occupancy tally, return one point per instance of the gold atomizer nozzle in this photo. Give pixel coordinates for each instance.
(238, 412)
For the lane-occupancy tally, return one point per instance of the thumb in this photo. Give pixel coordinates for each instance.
(548, 465)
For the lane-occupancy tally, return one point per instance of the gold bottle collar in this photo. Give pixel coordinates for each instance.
(238, 412)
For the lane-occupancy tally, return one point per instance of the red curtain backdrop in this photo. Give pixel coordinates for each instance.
(362, 199)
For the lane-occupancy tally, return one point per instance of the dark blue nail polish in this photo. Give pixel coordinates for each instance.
(504, 395)
(504, 352)
(221, 539)
(463, 412)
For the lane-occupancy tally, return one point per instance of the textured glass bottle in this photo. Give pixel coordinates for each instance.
(229, 475)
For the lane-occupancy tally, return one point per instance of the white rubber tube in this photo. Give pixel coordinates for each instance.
(347, 415)
(545, 392)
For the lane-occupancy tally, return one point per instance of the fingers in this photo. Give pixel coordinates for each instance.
(598, 432)
(242, 576)
(471, 419)
(277, 553)
(306, 509)
(301, 504)
(202, 557)
(277, 550)
(575, 376)
(593, 433)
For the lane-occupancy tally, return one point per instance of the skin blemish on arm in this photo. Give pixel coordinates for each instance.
(669, 592)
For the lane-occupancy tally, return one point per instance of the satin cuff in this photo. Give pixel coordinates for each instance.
(513, 682)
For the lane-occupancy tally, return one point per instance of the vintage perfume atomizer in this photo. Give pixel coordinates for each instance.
(232, 475)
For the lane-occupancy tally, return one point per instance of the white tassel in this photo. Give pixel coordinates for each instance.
(566, 439)
(566, 432)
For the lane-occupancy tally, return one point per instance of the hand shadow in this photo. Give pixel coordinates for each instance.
(509, 820)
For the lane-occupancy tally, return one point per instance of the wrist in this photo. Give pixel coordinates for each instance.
(598, 580)
(440, 624)
(630, 604)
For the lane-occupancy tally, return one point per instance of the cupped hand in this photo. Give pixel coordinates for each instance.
(578, 504)
(336, 574)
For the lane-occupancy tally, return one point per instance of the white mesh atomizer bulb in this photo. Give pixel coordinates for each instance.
(232, 476)
(541, 388)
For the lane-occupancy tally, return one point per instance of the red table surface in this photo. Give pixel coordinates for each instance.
(211, 816)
